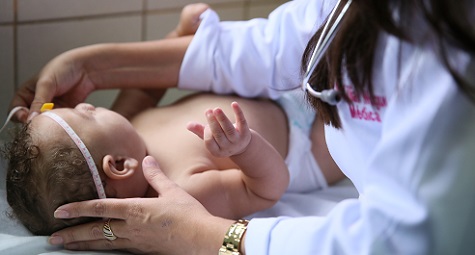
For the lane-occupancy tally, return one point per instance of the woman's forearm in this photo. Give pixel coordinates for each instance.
(151, 64)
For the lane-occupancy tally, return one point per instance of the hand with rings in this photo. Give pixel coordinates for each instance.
(172, 223)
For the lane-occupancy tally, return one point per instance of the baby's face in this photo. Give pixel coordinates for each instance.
(97, 127)
(104, 132)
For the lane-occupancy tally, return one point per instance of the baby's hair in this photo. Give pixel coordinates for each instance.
(40, 180)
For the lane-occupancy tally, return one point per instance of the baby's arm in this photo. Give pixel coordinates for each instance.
(263, 175)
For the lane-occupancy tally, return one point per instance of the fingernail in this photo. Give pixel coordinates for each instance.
(31, 116)
(61, 214)
(55, 240)
(149, 162)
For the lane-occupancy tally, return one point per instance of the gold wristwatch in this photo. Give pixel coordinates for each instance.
(232, 239)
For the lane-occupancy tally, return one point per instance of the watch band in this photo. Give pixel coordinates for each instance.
(232, 239)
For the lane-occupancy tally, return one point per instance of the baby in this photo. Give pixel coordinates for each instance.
(234, 173)
(238, 170)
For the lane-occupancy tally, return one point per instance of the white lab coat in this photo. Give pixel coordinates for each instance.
(411, 157)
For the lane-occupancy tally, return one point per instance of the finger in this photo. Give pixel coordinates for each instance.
(83, 232)
(18, 113)
(91, 234)
(226, 125)
(196, 128)
(99, 245)
(155, 177)
(241, 122)
(23, 97)
(45, 91)
(217, 132)
(210, 142)
(99, 208)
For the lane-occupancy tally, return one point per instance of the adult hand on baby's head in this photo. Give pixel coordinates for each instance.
(63, 81)
(172, 223)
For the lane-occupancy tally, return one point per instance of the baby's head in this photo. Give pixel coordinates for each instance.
(47, 169)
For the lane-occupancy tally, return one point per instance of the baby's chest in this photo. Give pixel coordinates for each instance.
(180, 158)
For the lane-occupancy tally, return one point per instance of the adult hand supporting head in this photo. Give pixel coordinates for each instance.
(172, 223)
(63, 81)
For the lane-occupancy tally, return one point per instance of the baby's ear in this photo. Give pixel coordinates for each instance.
(118, 167)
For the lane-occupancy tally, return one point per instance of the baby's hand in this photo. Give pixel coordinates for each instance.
(222, 138)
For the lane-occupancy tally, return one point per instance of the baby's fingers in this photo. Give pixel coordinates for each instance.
(226, 126)
(217, 133)
(196, 128)
(241, 122)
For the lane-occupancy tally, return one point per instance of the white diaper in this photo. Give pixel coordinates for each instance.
(305, 174)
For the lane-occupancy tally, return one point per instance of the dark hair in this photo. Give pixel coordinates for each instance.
(353, 49)
(38, 181)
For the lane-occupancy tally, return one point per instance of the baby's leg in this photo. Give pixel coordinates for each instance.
(189, 20)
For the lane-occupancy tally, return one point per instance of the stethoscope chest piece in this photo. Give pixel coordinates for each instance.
(330, 96)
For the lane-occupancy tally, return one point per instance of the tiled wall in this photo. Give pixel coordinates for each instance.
(34, 31)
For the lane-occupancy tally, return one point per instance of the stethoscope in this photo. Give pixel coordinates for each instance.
(330, 96)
